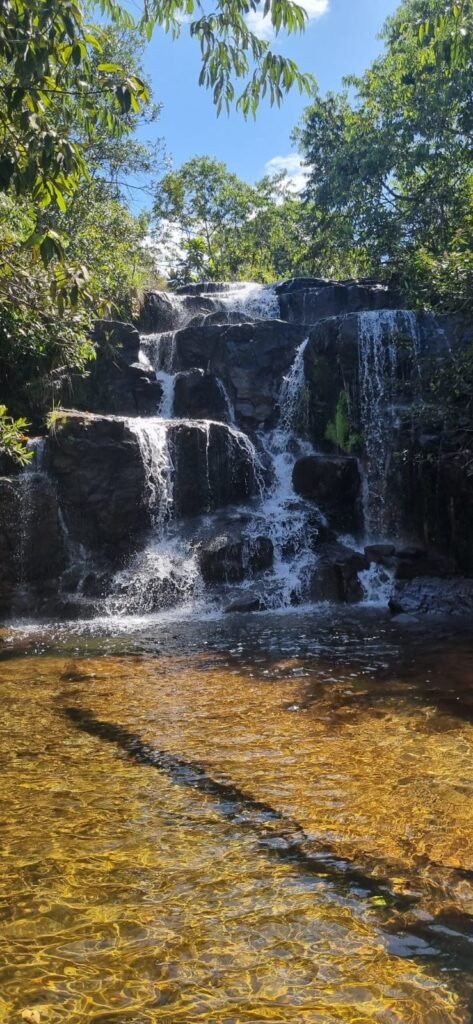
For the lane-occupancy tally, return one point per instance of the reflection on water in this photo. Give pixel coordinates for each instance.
(234, 822)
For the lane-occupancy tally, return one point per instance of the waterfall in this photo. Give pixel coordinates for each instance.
(158, 352)
(286, 518)
(378, 360)
(376, 583)
(152, 438)
(291, 399)
(229, 407)
(165, 574)
(33, 476)
(246, 297)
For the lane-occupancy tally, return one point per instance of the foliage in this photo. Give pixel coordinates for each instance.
(338, 430)
(40, 347)
(71, 95)
(105, 262)
(49, 86)
(13, 438)
(50, 79)
(224, 228)
(390, 183)
(231, 52)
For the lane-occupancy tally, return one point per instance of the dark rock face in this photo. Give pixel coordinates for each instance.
(213, 466)
(123, 338)
(102, 478)
(165, 311)
(307, 300)
(333, 482)
(433, 596)
(199, 395)
(101, 481)
(332, 367)
(437, 489)
(229, 559)
(117, 383)
(32, 550)
(335, 578)
(251, 359)
(382, 554)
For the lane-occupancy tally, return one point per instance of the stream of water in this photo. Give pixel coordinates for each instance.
(236, 822)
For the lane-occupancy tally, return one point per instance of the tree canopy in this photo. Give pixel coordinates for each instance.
(213, 225)
(390, 182)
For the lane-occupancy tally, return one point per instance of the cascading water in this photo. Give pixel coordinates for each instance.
(152, 437)
(378, 363)
(289, 521)
(260, 301)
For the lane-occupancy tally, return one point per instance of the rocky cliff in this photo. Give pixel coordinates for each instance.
(253, 447)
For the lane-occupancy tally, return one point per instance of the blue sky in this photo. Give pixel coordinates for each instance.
(341, 38)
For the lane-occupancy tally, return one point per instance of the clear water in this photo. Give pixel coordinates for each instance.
(230, 821)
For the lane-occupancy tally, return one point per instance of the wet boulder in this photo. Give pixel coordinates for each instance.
(382, 554)
(250, 358)
(102, 481)
(335, 578)
(213, 464)
(199, 395)
(168, 311)
(116, 382)
(333, 483)
(230, 558)
(244, 602)
(32, 547)
(430, 596)
(307, 300)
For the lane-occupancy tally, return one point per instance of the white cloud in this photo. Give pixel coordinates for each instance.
(292, 166)
(315, 8)
(263, 28)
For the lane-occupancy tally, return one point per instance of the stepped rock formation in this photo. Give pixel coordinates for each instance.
(213, 456)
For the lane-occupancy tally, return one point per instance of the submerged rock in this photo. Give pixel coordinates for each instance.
(246, 602)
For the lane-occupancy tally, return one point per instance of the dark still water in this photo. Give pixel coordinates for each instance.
(233, 821)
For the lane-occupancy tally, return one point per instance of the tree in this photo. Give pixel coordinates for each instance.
(225, 229)
(69, 99)
(390, 175)
(49, 78)
(48, 86)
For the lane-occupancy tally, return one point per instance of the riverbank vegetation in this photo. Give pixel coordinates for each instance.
(388, 191)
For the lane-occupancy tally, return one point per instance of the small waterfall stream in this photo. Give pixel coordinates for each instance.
(378, 334)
